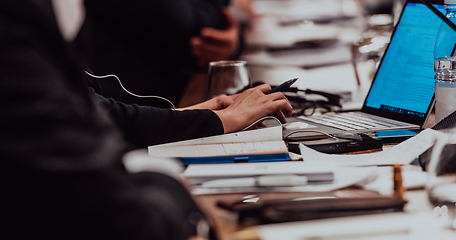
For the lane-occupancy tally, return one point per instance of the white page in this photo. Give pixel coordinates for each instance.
(256, 169)
(224, 149)
(199, 173)
(403, 153)
(385, 226)
(343, 177)
(257, 135)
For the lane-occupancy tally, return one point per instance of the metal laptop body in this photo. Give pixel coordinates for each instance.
(402, 91)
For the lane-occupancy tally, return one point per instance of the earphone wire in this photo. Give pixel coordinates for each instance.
(288, 135)
(324, 133)
(135, 95)
(260, 120)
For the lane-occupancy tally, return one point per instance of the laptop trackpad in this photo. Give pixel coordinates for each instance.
(298, 129)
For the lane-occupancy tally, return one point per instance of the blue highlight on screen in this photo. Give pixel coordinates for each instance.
(405, 80)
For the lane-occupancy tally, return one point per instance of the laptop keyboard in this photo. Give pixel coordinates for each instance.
(353, 121)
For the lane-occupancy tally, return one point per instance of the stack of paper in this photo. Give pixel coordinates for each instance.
(197, 174)
(263, 144)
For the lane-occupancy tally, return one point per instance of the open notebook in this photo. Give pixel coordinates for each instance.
(402, 91)
(259, 145)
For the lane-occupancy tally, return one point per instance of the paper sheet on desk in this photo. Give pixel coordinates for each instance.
(386, 226)
(258, 141)
(403, 153)
(256, 135)
(343, 177)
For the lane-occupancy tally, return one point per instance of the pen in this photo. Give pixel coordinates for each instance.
(282, 86)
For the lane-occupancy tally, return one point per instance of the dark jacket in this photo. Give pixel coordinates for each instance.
(145, 125)
(61, 175)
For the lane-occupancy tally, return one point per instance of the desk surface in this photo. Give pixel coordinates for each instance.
(226, 225)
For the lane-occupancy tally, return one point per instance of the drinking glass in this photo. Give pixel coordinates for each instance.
(441, 183)
(226, 77)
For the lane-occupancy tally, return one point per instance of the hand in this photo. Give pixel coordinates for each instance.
(246, 6)
(215, 45)
(216, 103)
(253, 104)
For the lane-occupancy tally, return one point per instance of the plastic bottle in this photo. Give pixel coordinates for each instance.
(445, 65)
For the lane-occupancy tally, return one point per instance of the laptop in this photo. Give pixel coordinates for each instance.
(402, 91)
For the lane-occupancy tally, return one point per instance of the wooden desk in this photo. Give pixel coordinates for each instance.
(226, 225)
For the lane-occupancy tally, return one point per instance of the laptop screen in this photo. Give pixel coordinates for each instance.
(404, 83)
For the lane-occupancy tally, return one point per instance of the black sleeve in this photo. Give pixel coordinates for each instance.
(61, 175)
(145, 125)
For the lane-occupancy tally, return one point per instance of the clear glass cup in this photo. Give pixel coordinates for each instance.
(226, 77)
(441, 183)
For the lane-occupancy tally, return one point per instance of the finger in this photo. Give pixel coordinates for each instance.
(195, 43)
(279, 96)
(279, 115)
(284, 106)
(214, 36)
(224, 101)
(230, 18)
(228, 32)
(263, 87)
(215, 48)
(197, 238)
(211, 50)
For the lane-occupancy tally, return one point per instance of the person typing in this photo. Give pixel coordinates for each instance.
(62, 173)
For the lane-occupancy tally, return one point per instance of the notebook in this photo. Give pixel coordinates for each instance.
(402, 92)
(258, 145)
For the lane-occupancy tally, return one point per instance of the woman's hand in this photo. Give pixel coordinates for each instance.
(251, 105)
(216, 103)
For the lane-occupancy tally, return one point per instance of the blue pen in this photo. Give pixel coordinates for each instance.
(283, 86)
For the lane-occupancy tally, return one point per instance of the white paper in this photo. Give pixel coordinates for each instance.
(384, 184)
(223, 149)
(343, 177)
(197, 173)
(403, 153)
(386, 226)
(259, 141)
(257, 135)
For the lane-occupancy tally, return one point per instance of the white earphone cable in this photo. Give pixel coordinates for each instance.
(135, 95)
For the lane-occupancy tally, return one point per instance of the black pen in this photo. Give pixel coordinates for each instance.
(283, 86)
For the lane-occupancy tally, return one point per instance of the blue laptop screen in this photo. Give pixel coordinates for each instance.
(405, 81)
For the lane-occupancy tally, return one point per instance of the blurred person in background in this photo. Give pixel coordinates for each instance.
(62, 174)
(155, 47)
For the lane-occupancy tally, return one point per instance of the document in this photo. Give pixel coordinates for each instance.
(337, 177)
(385, 226)
(221, 149)
(257, 135)
(255, 145)
(315, 172)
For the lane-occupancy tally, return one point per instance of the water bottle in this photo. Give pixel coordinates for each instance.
(445, 65)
